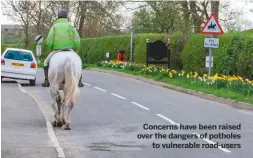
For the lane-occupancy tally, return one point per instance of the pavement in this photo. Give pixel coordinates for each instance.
(112, 110)
(24, 129)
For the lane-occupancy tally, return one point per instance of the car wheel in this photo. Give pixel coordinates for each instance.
(32, 82)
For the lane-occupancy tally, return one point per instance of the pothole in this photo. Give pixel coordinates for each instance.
(106, 146)
(127, 129)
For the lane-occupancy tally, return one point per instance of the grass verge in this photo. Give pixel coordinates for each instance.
(223, 93)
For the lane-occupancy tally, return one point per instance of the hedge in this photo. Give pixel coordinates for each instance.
(94, 49)
(234, 55)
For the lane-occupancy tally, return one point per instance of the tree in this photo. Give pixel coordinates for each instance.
(19, 11)
(186, 17)
(158, 17)
(94, 18)
(215, 8)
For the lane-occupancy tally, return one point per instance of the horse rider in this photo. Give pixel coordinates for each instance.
(62, 36)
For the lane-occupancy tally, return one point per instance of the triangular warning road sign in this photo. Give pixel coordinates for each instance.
(212, 26)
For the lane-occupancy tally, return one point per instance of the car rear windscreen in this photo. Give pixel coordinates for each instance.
(18, 55)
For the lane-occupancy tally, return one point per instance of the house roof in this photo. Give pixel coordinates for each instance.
(11, 27)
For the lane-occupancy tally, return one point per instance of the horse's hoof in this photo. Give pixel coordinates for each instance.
(54, 123)
(80, 85)
(67, 127)
(63, 121)
(59, 124)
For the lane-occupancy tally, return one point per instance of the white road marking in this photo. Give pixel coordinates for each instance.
(140, 105)
(211, 142)
(167, 119)
(118, 96)
(86, 84)
(100, 89)
(50, 130)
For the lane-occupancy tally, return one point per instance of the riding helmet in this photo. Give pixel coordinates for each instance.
(62, 13)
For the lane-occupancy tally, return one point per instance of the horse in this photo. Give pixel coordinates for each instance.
(65, 68)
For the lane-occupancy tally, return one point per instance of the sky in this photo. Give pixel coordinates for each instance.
(235, 4)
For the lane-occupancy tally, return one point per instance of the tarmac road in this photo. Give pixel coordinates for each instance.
(112, 110)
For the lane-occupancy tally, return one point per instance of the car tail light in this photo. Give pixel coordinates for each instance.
(2, 61)
(33, 65)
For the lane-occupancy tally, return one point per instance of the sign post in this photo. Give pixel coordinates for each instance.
(131, 45)
(211, 27)
(38, 39)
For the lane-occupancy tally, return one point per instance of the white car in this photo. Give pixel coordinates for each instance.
(19, 64)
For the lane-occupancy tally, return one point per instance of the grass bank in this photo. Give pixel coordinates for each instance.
(217, 89)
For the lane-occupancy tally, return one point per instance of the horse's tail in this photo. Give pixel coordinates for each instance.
(71, 84)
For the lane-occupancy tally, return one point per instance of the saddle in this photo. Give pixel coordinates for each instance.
(60, 50)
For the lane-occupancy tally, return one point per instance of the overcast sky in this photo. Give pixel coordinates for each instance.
(235, 4)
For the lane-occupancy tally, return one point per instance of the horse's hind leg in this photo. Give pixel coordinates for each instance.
(62, 106)
(59, 105)
(63, 114)
(67, 125)
(54, 105)
(55, 97)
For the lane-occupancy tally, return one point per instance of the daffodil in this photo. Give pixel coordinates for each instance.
(171, 75)
(188, 76)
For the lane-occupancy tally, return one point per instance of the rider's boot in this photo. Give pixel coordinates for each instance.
(80, 84)
(46, 82)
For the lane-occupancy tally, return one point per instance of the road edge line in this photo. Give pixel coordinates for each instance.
(51, 133)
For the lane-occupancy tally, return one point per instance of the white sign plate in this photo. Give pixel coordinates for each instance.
(207, 64)
(211, 43)
(38, 50)
(207, 61)
(207, 58)
(107, 54)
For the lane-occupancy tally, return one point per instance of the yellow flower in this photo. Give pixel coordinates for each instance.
(215, 77)
(204, 76)
(174, 71)
(188, 75)
(240, 78)
(171, 75)
(195, 75)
